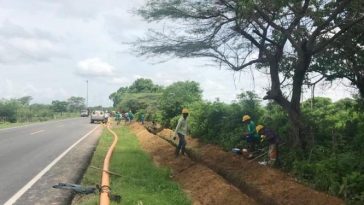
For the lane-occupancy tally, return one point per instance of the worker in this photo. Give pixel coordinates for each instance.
(251, 135)
(118, 117)
(272, 138)
(181, 132)
(126, 117)
(142, 117)
(130, 116)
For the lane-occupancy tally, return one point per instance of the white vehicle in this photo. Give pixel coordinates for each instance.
(107, 115)
(98, 115)
(84, 113)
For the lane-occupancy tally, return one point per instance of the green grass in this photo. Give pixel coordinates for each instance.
(141, 180)
(8, 124)
(55, 117)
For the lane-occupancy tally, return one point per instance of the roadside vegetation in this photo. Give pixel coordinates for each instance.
(15, 112)
(332, 161)
(294, 44)
(56, 116)
(141, 182)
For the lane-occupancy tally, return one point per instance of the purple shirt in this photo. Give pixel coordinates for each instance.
(271, 136)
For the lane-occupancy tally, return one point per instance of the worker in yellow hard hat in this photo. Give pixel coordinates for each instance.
(181, 131)
(250, 135)
(272, 138)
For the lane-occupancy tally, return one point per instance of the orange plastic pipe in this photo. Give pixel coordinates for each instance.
(105, 179)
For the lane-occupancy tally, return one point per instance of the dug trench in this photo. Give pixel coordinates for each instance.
(256, 184)
(202, 185)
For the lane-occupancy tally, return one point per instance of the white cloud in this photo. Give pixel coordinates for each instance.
(138, 76)
(33, 47)
(12, 89)
(95, 67)
(21, 46)
(120, 81)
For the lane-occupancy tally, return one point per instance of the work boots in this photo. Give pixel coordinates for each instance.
(183, 151)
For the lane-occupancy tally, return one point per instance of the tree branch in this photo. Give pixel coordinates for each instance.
(265, 38)
(284, 31)
(218, 28)
(323, 44)
(249, 37)
(322, 26)
(222, 57)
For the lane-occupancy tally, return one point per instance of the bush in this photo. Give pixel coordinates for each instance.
(335, 133)
(177, 96)
(217, 123)
(8, 111)
(352, 188)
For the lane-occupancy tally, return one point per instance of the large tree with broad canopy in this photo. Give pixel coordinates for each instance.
(282, 37)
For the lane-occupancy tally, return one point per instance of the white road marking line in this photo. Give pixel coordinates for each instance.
(33, 133)
(60, 125)
(25, 188)
(37, 123)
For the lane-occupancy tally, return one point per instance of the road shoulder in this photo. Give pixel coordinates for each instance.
(69, 169)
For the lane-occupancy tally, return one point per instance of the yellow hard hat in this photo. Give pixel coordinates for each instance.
(246, 117)
(259, 127)
(184, 111)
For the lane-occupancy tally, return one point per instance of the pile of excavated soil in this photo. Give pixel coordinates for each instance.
(203, 185)
(153, 128)
(264, 184)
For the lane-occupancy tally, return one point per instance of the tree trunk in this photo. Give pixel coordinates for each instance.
(297, 138)
(294, 111)
(298, 129)
(360, 82)
(292, 107)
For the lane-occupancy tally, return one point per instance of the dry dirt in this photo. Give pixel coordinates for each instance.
(203, 185)
(264, 184)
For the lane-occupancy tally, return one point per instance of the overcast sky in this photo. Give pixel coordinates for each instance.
(48, 49)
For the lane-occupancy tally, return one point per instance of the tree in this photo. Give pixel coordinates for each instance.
(140, 85)
(283, 37)
(250, 103)
(177, 96)
(115, 97)
(138, 101)
(76, 104)
(344, 58)
(8, 110)
(59, 106)
(25, 100)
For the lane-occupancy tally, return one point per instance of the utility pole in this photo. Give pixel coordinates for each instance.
(87, 94)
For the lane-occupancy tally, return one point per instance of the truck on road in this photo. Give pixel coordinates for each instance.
(98, 116)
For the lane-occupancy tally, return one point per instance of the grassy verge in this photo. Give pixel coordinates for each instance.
(141, 182)
(16, 124)
(55, 117)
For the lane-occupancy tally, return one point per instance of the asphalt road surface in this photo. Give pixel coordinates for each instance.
(26, 151)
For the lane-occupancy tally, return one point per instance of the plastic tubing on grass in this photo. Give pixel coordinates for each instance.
(105, 179)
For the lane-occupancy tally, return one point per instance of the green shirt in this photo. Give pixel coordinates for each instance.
(117, 116)
(252, 131)
(130, 115)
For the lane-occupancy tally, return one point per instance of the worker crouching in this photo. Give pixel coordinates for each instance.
(272, 138)
(250, 135)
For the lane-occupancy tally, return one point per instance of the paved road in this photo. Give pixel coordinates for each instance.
(26, 151)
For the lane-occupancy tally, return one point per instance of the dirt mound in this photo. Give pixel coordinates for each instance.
(265, 185)
(203, 185)
(153, 128)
